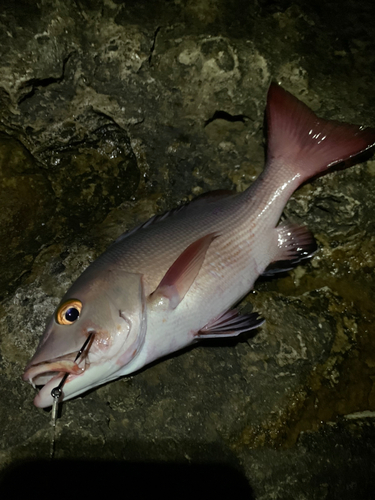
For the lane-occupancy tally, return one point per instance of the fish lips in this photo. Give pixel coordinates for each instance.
(49, 374)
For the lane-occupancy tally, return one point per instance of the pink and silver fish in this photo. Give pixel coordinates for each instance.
(174, 280)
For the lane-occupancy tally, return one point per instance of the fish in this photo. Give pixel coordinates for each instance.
(177, 278)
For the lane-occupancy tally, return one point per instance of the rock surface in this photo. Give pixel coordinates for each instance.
(113, 111)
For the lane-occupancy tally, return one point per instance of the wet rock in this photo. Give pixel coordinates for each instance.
(111, 112)
(26, 208)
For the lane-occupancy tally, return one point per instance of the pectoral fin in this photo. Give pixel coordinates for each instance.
(182, 273)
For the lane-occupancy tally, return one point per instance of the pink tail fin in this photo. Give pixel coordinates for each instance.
(306, 143)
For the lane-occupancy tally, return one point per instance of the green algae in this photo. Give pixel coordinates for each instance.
(26, 210)
(39, 206)
(344, 383)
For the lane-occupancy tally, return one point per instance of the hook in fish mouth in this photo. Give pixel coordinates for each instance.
(42, 373)
(45, 372)
(57, 391)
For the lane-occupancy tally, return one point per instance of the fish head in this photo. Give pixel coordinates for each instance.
(108, 305)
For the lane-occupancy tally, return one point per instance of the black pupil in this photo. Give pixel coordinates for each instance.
(71, 314)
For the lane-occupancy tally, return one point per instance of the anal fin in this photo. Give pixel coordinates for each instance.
(230, 324)
(294, 245)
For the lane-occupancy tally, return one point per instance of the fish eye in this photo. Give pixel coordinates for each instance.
(69, 312)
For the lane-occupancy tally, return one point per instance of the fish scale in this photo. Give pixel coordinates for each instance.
(173, 280)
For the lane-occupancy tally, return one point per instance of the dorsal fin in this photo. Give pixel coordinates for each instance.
(153, 220)
(201, 200)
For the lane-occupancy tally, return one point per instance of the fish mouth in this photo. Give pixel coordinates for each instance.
(49, 374)
(55, 373)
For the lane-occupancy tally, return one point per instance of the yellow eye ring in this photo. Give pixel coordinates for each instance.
(69, 312)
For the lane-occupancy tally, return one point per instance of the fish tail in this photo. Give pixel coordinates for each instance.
(299, 140)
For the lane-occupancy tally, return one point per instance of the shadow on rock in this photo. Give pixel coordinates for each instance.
(97, 479)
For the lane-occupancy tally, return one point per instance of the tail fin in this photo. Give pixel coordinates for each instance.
(308, 144)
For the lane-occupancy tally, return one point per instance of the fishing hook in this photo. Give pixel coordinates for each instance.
(57, 391)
